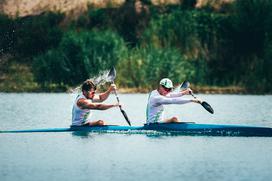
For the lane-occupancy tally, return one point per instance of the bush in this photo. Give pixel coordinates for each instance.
(35, 35)
(52, 67)
(143, 68)
(6, 35)
(169, 30)
(267, 73)
(252, 37)
(79, 56)
(199, 35)
(252, 22)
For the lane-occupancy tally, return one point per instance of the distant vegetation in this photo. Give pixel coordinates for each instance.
(227, 47)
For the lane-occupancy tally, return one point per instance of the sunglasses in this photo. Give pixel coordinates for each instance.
(167, 89)
(92, 91)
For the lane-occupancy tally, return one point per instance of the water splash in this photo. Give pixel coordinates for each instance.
(177, 89)
(100, 79)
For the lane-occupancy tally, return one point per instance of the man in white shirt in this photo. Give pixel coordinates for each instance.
(87, 101)
(161, 96)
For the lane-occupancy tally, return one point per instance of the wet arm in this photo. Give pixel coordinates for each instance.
(102, 97)
(87, 104)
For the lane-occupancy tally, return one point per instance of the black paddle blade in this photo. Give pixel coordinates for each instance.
(185, 84)
(208, 107)
(126, 117)
(112, 74)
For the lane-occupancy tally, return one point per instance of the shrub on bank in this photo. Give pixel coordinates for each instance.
(34, 35)
(144, 67)
(6, 35)
(80, 55)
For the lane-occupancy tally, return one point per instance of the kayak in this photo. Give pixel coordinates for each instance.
(184, 128)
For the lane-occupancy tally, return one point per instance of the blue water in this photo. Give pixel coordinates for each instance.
(113, 156)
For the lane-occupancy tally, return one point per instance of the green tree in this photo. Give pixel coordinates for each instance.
(36, 34)
(6, 35)
(79, 56)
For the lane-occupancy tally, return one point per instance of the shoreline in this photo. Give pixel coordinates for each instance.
(202, 90)
(18, 78)
(197, 89)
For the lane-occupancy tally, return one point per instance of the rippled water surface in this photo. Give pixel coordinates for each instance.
(112, 156)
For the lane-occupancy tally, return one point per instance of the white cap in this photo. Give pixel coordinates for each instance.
(167, 83)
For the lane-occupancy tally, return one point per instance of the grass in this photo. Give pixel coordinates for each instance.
(18, 77)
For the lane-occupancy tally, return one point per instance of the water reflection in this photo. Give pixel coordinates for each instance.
(149, 134)
(82, 134)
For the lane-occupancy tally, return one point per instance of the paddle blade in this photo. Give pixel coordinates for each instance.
(185, 84)
(126, 117)
(112, 74)
(208, 107)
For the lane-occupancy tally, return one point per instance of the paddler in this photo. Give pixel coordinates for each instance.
(88, 101)
(162, 96)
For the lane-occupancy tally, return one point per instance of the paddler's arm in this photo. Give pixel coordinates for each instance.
(181, 93)
(103, 96)
(88, 104)
(175, 100)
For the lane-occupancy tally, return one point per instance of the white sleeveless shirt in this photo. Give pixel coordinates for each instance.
(79, 116)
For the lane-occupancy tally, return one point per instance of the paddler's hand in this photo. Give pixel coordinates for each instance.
(118, 105)
(187, 91)
(112, 88)
(196, 101)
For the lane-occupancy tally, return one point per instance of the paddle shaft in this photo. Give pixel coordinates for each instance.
(117, 99)
(193, 95)
(122, 111)
(186, 85)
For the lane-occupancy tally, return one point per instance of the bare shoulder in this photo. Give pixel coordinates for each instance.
(83, 103)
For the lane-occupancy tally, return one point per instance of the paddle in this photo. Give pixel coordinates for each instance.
(111, 76)
(208, 107)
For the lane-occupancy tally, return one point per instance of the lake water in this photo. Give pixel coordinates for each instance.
(111, 156)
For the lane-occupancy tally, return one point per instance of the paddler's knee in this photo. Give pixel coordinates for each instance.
(100, 122)
(96, 123)
(174, 119)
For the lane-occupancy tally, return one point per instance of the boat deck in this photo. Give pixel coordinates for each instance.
(184, 128)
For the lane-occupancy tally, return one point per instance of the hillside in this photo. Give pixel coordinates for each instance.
(26, 7)
(23, 8)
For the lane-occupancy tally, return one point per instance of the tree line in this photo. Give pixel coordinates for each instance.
(230, 46)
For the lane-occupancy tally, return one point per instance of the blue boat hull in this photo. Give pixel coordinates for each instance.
(172, 128)
(211, 129)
